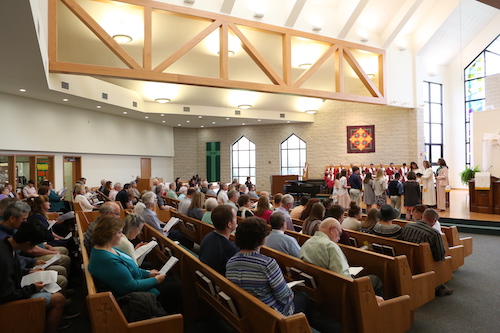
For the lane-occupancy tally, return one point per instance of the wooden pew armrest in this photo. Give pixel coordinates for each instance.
(467, 243)
(457, 256)
(425, 284)
(171, 323)
(27, 315)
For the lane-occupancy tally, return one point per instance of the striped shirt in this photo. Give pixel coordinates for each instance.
(261, 276)
(422, 232)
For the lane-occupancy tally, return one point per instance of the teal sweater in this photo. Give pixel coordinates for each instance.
(119, 273)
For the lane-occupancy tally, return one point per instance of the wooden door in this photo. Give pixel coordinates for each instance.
(145, 168)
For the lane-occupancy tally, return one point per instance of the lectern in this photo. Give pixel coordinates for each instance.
(485, 201)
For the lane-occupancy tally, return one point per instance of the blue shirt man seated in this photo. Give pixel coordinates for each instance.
(278, 240)
(216, 248)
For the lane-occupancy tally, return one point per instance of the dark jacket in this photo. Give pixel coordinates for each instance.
(140, 305)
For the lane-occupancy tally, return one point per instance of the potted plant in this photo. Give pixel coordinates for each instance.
(468, 174)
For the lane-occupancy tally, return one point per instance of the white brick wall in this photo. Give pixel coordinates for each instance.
(398, 135)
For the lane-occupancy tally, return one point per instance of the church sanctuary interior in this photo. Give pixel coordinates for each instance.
(277, 91)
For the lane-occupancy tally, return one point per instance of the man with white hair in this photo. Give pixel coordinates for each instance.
(211, 190)
(322, 250)
(117, 188)
(171, 191)
(204, 187)
(103, 182)
(222, 195)
(285, 205)
(233, 197)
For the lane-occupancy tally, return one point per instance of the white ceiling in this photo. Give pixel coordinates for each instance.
(425, 27)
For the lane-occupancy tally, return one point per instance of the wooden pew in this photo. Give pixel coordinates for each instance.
(172, 202)
(105, 313)
(419, 255)
(23, 316)
(361, 312)
(253, 315)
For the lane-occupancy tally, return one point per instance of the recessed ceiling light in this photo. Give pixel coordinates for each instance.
(178, 124)
(146, 117)
(213, 122)
(364, 39)
(258, 15)
(22, 90)
(244, 106)
(200, 117)
(98, 106)
(122, 39)
(306, 65)
(311, 111)
(65, 99)
(243, 124)
(188, 121)
(229, 53)
(259, 120)
(288, 122)
(162, 100)
(371, 76)
(189, 1)
(202, 126)
(124, 112)
(162, 115)
(227, 118)
(163, 121)
(316, 28)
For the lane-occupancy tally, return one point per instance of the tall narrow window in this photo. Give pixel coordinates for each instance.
(293, 155)
(433, 121)
(486, 63)
(243, 160)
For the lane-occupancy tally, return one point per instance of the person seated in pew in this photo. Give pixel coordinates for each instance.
(244, 204)
(210, 190)
(216, 248)
(117, 188)
(132, 227)
(419, 211)
(196, 208)
(242, 189)
(3, 205)
(312, 222)
(182, 193)
(258, 274)
(210, 204)
(370, 221)
(57, 204)
(337, 212)
(109, 208)
(159, 198)
(27, 236)
(278, 240)
(171, 191)
(222, 194)
(422, 232)
(185, 202)
(285, 205)
(328, 202)
(82, 199)
(134, 192)
(307, 208)
(277, 200)
(29, 190)
(117, 272)
(251, 192)
(233, 196)
(295, 213)
(108, 186)
(385, 227)
(322, 250)
(125, 197)
(352, 222)
(263, 209)
(4, 193)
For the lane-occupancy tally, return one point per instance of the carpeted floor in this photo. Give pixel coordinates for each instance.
(473, 307)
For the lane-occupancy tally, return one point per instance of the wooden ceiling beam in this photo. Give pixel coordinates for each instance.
(361, 73)
(311, 70)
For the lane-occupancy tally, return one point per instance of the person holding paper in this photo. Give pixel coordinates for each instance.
(258, 274)
(322, 250)
(27, 236)
(116, 271)
(133, 224)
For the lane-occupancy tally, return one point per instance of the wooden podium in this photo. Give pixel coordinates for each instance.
(485, 201)
(278, 182)
(147, 183)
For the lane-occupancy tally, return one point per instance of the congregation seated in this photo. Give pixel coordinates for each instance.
(159, 198)
(210, 204)
(370, 221)
(27, 236)
(263, 211)
(278, 240)
(244, 204)
(277, 200)
(57, 204)
(307, 208)
(107, 188)
(182, 193)
(109, 208)
(4, 192)
(195, 209)
(352, 222)
(117, 188)
(125, 197)
(148, 211)
(115, 271)
(171, 191)
(251, 192)
(82, 199)
(216, 248)
(242, 189)
(222, 194)
(285, 204)
(312, 222)
(295, 213)
(385, 227)
(134, 192)
(185, 202)
(258, 274)
(132, 227)
(210, 190)
(322, 250)
(232, 199)
(337, 212)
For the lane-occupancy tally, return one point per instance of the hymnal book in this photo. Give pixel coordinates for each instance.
(169, 264)
(173, 221)
(49, 262)
(295, 273)
(377, 248)
(168, 252)
(308, 280)
(49, 279)
(228, 303)
(205, 282)
(51, 224)
(355, 270)
(295, 283)
(68, 236)
(62, 192)
(388, 250)
(353, 241)
(143, 251)
(190, 226)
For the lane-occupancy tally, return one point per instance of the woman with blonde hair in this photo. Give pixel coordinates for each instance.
(263, 210)
(369, 195)
(379, 188)
(195, 209)
(370, 221)
(82, 199)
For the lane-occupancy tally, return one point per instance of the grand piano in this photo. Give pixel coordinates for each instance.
(310, 187)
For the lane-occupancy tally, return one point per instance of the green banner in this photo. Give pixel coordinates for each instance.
(213, 161)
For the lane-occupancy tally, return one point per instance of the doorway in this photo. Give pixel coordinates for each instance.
(72, 171)
(145, 168)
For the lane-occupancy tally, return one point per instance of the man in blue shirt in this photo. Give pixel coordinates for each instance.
(356, 186)
(278, 240)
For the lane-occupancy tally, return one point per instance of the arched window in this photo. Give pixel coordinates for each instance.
(293, 155)
(486, 63)
(243, 160)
